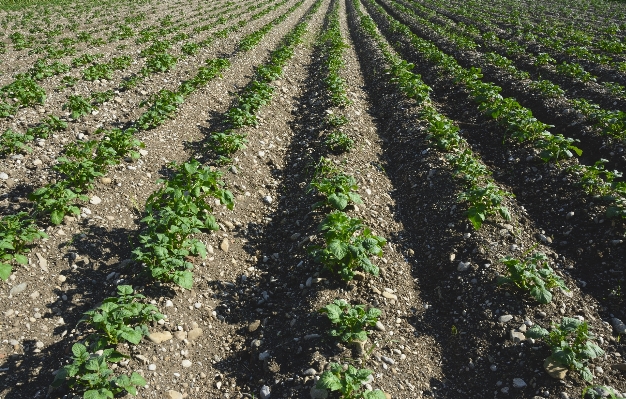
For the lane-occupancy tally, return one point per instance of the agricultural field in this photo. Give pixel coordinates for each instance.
(312, 199)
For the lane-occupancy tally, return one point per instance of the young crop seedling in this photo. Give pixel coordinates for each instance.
(484, 201)
(349, 244)
(599, 392)
(348, 382)
(101, 97)
(12, 142)
(16, 233)
(177, 210)
(571, 344)
(47, 126)
(24, 91)
(121, 318)
(533, 274)
(339, 142)
(57, 200)
(164, 104)
(98, 72)
(350, 321)
(78, 106)
(160, 63)
(90, 373)
(338, 190)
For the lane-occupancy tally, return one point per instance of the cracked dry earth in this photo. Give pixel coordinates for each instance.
(250, 327)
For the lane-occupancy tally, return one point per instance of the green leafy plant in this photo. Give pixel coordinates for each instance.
(41, 69)
(163, 106)
(16, 233)
(338, 141)
(25, 92)
(571, 344)
(91, 373)
(176, 211)
(121, 318)
(67, 81)
(348, 382)
(120, 63)
(533, 274)
(336, 120)
(600, 391)
(338, 190)
(57, 200)
(12, 142)
(47, 126)
(190, 48)
(467, 167)
(98, 72)
(160, 63)
(484, 201)
(78, 106)
(101, 97)
(349, 244)
(350, 321)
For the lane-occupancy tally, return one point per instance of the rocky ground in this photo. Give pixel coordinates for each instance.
(251, 326)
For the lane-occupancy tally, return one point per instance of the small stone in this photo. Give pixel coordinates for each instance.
(180, 335)
(143, 153)
(225, 245)
(517, 336)
(173, 395)
(463, 266)
(309, 282)
(309, 372)
(388, 360)
(37, 162)
(264, 393)
(3, 176)
(39, 344)
(318, 393)
(518, 383)
(379, 326)
(505, 318)
(569, 215)
(159, 337)
(95, 200)
(18, 289)
(267, 199)
(554, 369)
(619, 366)
(105, 180)
(389, 295)
(152, 367)
(618, 326)
(194, 333)
(186, 363)
(254, 326)
(563, 395)
(43, 263)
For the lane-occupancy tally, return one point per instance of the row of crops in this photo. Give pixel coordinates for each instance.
(579, 67)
